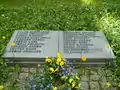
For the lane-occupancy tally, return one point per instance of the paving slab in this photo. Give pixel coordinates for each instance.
(25, 69)
(84, 86)
(84, 78)
(23, 76)
(94, 85)
(94, 76)
(33, 70)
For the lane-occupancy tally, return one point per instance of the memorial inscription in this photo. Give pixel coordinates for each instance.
(78, 42)
(29, 41)
(75, 44)
(32, 44)
(35, 45)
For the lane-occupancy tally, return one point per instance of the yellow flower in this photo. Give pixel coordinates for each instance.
(119, 84)
(83, 58)
(1, 87)
(48, 59)
(64, 77)
(62, 63)
(70, 80)
(51, 70)
(108, 84)
(78, 86)
(13, 44)
(73, 84)
(58, 61)
(107, 45)
(54, 88)
(59, 55)
(56, 70)
(3, 37)
(77, 77)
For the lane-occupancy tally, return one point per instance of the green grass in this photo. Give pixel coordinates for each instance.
(61, 15)
(54, 15)
(58, 15)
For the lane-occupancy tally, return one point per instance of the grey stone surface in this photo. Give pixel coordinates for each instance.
(113, 88)
(22, 76)
(39, 70)
(94, 85)
(109, 79)
(86, 82)
(84, 78)
(102, 84)
(33, 44)
(108, 73)
(94, 76)
(103, 79)
(32, 70)
(101, 71)
(91, 44)
(24, 69)
(84, 86)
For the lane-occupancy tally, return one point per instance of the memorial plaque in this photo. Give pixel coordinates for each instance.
(32, 44)
(91, 44)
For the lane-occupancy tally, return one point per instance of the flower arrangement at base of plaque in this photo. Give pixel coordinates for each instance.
(56, 75)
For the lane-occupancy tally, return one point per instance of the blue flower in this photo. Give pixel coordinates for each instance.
(68, 62)
(62, 68)
(48, 86)
(51, 84)
(33, 86)
(51, 78)
(31, 78)
(63, 73)
(38, 77)
(43, 78)
(41, 75)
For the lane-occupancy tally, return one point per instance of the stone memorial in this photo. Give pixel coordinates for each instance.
(91, 44)
(32, 46)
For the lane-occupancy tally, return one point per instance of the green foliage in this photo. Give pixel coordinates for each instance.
(61, 15)
(3, 68)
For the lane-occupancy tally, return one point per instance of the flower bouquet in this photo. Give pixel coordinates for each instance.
(56, 75)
